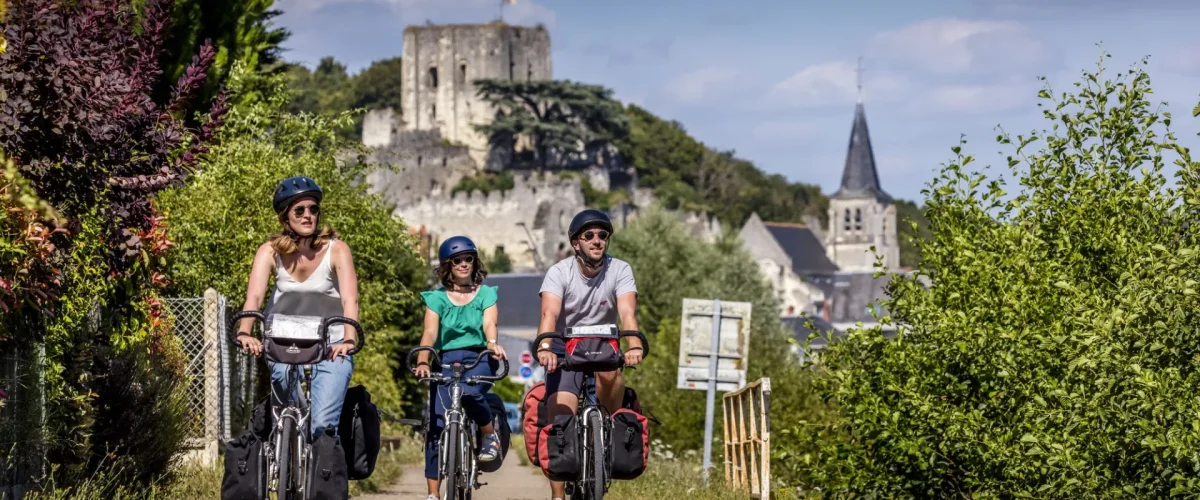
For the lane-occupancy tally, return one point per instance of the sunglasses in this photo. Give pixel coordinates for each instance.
(469, 259)
(312, 209)
(588, 235)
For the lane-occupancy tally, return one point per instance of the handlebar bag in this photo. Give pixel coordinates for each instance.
(592, 354)
(293, 340)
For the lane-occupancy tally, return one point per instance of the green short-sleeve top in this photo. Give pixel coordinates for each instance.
(460, 327)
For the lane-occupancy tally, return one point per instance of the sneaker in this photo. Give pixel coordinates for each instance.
(432, 497)
(490, 449)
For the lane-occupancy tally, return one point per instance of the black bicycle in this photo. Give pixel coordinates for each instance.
(458, 466)
(595, 422)
(288, 452)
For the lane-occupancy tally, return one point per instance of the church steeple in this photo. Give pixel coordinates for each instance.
(859, 176)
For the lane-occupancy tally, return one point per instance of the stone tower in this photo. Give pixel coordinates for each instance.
(861, 213)
(441, 61)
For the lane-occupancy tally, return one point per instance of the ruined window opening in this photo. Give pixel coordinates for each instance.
(529, 72)
(462, 73)
(858, 219)
(443, 161)
(433, 111)
(433, 77)
(419, 158)
(846, 225)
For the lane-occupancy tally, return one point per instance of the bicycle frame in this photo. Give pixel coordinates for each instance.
(298, 411)
(455, 416)
(589, 407)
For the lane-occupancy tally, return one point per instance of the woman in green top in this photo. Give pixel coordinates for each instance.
(460, 323)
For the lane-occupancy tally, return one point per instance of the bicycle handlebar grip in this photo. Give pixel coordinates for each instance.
(545, 336)
(645, 343)
(408, 362)
(233, 333)
(490, 378)
(332, 320)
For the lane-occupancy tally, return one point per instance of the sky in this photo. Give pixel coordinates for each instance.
(775, 80)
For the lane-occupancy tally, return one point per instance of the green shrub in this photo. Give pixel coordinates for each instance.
(1055, 352)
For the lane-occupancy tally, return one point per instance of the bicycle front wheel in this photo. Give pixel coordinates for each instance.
(598, 471)
(286, 464)
(452, 484)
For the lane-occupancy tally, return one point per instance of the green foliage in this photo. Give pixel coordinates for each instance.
(558, 117)
(328, 88)
(485, 183)
(509, 391)
(241, 30)
(1055, 352)
(498, 262)
(669, 265)
(913, 227)
(223, 215)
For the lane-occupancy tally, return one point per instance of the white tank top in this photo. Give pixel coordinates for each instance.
(316, 296)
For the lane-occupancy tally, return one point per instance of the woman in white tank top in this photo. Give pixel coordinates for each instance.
(314, 276)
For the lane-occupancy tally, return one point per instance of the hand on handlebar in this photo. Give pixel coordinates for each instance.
(633, 356)
(548, 359)
(422, 370)
(498, 352)
(249, 344)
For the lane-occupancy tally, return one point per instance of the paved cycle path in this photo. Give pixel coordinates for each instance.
(512, 482)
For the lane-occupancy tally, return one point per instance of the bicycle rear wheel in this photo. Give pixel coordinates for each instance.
(598, 472)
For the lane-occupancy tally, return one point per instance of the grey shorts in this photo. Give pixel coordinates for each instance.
(565, 381)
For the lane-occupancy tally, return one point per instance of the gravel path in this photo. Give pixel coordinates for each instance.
(512, 482)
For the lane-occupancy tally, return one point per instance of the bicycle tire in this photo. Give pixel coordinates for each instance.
(287, 439)
(452, 482)
(597, 474)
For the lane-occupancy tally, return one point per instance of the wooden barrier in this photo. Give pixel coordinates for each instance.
(748, 438)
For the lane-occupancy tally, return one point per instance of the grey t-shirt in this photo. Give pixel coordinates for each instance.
(587, 301)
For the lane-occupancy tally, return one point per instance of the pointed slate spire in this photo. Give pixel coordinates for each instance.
(859, 177)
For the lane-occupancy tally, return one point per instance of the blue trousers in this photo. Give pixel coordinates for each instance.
(330, 380)
(473, 402)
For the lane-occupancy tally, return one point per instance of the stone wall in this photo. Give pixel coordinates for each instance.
(530, 218)
(442, 61)
(423, 165)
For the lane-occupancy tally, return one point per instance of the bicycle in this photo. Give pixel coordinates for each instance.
(595, 431)
(287, 451)
(458, 434)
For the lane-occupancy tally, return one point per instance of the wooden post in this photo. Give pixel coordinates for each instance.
(212, 330)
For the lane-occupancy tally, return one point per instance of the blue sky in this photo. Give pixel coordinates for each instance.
(774, 80)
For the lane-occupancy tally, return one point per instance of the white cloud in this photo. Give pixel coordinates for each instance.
(834, 83)
(524, 12)
(705, 84)
(784, 133)
(972, 99)
(952, 46)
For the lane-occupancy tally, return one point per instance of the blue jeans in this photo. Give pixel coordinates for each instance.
(473, 402)
(330, 380)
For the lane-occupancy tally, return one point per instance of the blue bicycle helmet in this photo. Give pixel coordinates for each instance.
(292, 188)
(454, 246)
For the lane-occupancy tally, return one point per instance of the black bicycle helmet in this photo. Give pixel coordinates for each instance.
(585, 218)
(294, 187)
(454, 246)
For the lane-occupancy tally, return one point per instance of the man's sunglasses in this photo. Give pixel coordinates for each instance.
(588, 235)
(313, 209)
(469, 259)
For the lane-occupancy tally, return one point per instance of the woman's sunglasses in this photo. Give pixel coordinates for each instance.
(469, 259)
(313, 209)
(587, 236)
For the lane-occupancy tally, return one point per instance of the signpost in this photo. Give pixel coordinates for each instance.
(714, 341)
(526, 370)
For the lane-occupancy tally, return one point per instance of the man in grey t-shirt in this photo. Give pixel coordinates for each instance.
(589, 288)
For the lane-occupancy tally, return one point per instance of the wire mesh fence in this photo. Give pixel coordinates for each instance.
(22, 417)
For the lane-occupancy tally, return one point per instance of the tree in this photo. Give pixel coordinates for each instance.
(240, 30)
(669, 264)
(559, 118)
(90, 142)
(1053, 351)
(377, 87)
(261, 145)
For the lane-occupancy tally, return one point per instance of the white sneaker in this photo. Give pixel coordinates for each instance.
(432, 497)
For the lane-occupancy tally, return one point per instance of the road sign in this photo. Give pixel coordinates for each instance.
(526, 371)
(526, 358)
(714, 337)
(696, 341)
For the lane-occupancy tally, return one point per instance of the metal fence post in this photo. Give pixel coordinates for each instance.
(211, 372)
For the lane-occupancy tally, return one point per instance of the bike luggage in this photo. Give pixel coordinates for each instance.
(559, 450)
(359, 432)
(533, 419)
(500, 423)
(630, 444)
(245, 468)
(327, 477)
(294, 340)
(592, 354)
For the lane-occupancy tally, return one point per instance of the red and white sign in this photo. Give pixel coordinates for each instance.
(526, 358)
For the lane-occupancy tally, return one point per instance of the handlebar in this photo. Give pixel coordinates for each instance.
(323, 330)
(627, 333)
(437, 377)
